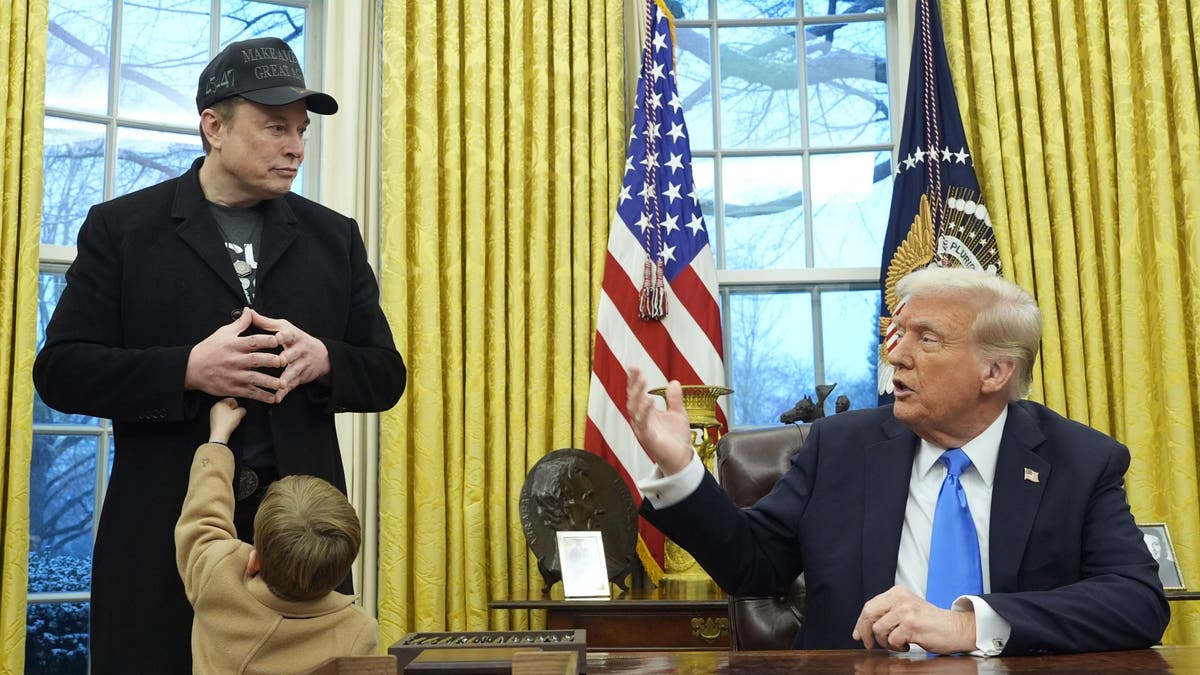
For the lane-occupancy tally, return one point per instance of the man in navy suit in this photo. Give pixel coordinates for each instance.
(1063, 565)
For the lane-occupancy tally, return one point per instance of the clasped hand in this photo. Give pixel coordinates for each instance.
(228, 363)
(897, 618)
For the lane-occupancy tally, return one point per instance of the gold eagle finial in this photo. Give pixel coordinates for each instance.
(914, 252)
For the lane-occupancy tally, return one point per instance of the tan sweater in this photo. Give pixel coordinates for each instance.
(239, 625)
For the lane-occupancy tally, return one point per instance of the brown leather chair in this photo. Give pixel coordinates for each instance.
(749, 462)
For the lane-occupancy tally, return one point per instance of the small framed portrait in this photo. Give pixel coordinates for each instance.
(584, 572)
(1158, 541)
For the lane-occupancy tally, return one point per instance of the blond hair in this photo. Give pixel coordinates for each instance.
(1008, 323)
(307, 536)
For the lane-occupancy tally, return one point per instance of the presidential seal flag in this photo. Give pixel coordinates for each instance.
(938, 215)
(658, 305)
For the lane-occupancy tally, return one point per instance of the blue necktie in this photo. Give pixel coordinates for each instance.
(954, 567)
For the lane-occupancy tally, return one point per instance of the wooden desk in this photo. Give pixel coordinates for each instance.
(645, 620)
(1160, 660)
(638, 620)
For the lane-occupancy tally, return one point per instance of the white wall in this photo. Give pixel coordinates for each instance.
(348, 170)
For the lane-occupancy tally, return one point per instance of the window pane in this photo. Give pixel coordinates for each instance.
(829, 7)
(50, 288)
(705, 186)
(242, 20)
(62, 498)
(56, 635)
(764, 212)
(108, 465)
(688, 9)
(694, 76)
(77, 55)
(163, 48)
(771, 353)
(850, 336)
(72, 177)
(759, 81)
(145, 158)
(846, 69)
(756, 9)
(851, 198)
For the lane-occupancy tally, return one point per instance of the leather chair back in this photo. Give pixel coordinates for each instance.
(749, 463)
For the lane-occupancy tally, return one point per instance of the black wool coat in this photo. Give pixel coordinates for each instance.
(151, 279)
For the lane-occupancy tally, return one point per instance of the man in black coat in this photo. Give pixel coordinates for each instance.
(218, 283)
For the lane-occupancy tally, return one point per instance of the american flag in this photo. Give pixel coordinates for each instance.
(938, 215)
(658, 305)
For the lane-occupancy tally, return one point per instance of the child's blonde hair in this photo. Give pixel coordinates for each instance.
(307, 536)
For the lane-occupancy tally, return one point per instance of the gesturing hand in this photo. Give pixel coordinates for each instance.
(305, 357)
(664, 434)
(226, 362)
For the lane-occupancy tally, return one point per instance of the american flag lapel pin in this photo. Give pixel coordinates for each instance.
(1031, 475)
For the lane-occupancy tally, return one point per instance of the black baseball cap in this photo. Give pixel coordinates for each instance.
(263, 70)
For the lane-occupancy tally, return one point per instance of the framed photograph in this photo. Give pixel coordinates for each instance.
(1158, 541)
(584, 573)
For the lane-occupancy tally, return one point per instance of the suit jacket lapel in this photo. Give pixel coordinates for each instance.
(889, 468)
(279, 232)
(1021, 475)
(198, 229)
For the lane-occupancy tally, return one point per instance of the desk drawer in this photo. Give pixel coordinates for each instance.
(641, 628)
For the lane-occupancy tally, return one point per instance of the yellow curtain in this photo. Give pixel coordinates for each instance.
(1084, 123)
(23, 66)
(503, 142)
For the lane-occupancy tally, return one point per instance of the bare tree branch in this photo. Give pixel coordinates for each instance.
(100, 59)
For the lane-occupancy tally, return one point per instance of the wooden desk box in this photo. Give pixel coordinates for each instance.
(638, 620)
(357, 665)
(483, 652)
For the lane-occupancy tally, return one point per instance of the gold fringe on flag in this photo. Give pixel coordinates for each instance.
(653, 572)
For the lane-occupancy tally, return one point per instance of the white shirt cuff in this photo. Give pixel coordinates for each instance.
(991, 630)
(664, 491)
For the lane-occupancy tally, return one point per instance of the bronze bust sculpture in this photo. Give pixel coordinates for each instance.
(573, 490)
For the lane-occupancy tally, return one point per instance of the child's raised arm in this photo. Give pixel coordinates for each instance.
(224, 417)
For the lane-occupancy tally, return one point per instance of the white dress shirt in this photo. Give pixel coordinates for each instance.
(912, 564)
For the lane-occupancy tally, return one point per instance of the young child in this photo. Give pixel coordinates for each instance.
(270, 607)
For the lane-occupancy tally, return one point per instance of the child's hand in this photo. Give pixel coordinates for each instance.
(224, 417)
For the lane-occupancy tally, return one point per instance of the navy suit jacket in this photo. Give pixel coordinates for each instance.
(1069, 569)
